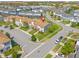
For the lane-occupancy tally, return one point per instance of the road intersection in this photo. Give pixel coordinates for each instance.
(37, 50)
(23, 39)
(47, 46)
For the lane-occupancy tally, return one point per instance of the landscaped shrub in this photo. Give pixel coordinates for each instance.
(33, 38)
(68, 47)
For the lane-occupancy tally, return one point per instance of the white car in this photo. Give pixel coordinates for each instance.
(56, 42)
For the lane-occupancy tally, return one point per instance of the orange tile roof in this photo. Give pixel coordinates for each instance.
(37, 22)
(41, 23)
(1, 46)
(16, 18)
(29, 20)
(3, 38)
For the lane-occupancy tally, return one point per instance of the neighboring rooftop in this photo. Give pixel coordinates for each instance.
(3, 38)
(41, 23)
(38, 21)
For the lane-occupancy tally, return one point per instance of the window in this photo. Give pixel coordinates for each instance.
(6, 43)
(8, 48)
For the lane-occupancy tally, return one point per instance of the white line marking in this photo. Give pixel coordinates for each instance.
(34, 50)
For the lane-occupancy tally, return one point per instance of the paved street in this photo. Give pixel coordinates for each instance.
(47, 46)
(22, 39)
(37, 50)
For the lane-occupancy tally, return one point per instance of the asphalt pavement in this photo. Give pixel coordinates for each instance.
(23, 39)
(47, 46)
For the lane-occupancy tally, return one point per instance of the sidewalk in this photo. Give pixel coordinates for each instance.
(24, 31)
(36, 32)
(52, 53)
(29, 30)
(2, 56)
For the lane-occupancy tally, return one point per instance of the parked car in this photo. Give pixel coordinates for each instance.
(56, 42)
(6, 26)
(60, 38)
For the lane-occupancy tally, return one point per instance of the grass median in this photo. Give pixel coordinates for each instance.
(52, 30)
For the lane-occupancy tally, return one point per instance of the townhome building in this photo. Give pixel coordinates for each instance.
(5, 43)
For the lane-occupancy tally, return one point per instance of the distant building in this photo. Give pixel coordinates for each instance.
(1, 18)
(29, 14)
(37, 10)
(76, 13)
(16, 19)
(21, 11)
(67, 17)
(40, 24)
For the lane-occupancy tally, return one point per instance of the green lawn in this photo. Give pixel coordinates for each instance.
(66, 21)
(33, 31)
(41, 35)
(63, 40)
(56, 31)
(25, 28)
(48, 56)
(75, 7)
(69, 47)
(69, 11)
(15, 49)
(75, 25)
(51, 30)
(4, 23)
(12, 26)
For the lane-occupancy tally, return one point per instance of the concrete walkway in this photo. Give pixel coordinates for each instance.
(24, 31)
(52, 53)
(36, 32)
(29, 30)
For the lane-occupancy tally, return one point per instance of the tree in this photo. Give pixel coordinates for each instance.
(60, 37)
(11, 27)
(68, 48)
(69, 11)
(33, 38)
(73, 24)
(14, 54)
(78, 24)
(8, 34)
